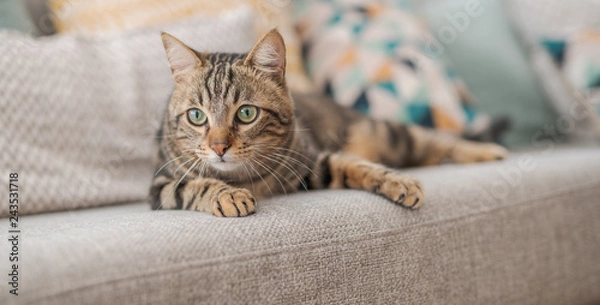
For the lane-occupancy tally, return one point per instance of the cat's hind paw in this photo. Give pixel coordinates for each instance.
(234, 202)
(470, 152)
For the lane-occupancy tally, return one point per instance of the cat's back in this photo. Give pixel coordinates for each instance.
(323, 119)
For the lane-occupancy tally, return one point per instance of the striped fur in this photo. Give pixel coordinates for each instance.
(296, 143)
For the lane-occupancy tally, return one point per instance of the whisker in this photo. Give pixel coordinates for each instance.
(249, 174)
(274, 173)
(184, 163)
(289, 168)
(260, 176)
(202, 170)
(286, 150)
(178, 182)
(296, 161)
(164, 165)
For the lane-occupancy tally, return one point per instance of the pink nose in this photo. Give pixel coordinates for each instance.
(220, 147)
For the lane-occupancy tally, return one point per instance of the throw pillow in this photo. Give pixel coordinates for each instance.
(102, 16)
(493, 62)
(13, 15)
(556, 24)
(582, 64)
(376, 56)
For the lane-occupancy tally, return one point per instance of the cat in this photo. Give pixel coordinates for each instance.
(233, 133)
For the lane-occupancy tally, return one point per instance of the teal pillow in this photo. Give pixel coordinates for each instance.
(13, 15)
(477, 36)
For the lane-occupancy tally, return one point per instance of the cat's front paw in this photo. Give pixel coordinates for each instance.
(401, 189)
(234, 202)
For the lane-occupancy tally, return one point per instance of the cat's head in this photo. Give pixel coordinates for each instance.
(229, 110)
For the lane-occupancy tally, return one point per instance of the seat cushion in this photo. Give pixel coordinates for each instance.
(521, 231)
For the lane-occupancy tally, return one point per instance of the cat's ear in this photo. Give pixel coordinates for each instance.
(181, 58)
(268, 56)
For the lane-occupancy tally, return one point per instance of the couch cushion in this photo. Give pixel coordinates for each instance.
(522, 231)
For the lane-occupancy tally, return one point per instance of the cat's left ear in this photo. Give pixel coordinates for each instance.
(268, 56)
(182, 59)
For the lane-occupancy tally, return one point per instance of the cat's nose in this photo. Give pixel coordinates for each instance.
(220, 147)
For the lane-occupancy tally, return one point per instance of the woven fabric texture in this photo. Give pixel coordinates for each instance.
(79, 114)
(523, 231)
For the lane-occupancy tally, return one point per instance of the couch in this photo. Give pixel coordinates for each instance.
(520, 231)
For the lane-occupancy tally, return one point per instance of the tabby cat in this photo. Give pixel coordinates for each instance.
(232, 134)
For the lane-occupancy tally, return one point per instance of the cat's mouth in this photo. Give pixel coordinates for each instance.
(223, 165)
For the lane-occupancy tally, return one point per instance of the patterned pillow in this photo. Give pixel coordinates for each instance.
(569, 78)
(79, 114)
(375, 56)
(581, 65)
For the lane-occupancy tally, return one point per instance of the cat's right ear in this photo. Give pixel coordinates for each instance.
(182, 59)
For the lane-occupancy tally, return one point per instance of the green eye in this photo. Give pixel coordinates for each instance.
(247, 114)
(196, 116)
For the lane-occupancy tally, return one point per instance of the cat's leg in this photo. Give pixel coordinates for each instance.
(430, 147)
(204, 194)
(341, 170)
(398, 145)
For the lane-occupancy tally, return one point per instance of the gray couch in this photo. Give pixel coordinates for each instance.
(522, 231)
